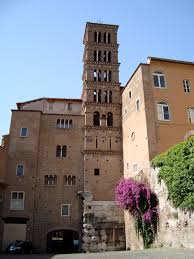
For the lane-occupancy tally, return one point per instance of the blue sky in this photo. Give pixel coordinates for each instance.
(41, 43)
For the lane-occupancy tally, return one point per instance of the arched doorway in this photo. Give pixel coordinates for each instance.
(63, 241)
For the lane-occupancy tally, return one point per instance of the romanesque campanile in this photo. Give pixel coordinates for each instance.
(103, 135)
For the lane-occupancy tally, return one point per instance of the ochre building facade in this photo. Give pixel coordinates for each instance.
(63, 157)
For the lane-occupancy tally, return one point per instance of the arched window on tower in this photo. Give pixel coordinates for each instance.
(99, 37)
(104, 37)
(66, 124)
(70, 124)
(99, 75)
(110, 96)
(99, 55)
(105, 97)
(99, 96)
(62, 123)
(95, 75)
(108, 37)
(64, 151)
(103, 120)
(105, 76)
(95, 36)
(109, 76)
(109, 119)
(95, 55)
(58, 151)
(58, 123)
(95, 95)
(96, 119)
(104, 56)
(109, 56)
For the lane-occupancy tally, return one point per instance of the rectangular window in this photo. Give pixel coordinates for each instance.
(96, 171)
(65, 210)
(23, 132)
(186, 86)
(20, 170)
(69, 106)
(17, 201)
(159, 80)
(137, 105)
(191, 114)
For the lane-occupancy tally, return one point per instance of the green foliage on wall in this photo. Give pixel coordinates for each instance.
(176, 168)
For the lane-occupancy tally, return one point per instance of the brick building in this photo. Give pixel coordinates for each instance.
(63, 157)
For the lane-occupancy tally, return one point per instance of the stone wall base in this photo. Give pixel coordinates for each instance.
(103, 227)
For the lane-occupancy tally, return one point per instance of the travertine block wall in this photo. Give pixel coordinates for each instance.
(103, 228)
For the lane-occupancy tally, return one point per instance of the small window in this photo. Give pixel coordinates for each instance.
(96, 171)
(163, 111)
(24, 132)
(20, 170)
(65, 210)
(130, 95)
(191, 114)
(159, 80)
(137, 105)
(186, 86)
(69, 106)
(127, 166)
(134, 167)
(17, 201)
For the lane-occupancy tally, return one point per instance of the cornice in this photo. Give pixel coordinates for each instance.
(102, 152)
(87, 43)
(101, 63)
(102, 104)
(102, 83)
(103, 128)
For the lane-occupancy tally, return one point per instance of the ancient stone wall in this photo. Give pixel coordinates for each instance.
(103, 226)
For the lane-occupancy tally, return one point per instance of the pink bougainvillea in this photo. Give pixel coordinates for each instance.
(142, 203)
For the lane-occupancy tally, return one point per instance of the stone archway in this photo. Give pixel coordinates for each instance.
(63, 241)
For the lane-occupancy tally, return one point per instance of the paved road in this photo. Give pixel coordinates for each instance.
(146, 254)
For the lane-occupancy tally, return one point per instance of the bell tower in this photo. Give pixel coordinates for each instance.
(102, 108)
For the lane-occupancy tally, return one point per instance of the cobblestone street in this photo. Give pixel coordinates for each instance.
(146, 254)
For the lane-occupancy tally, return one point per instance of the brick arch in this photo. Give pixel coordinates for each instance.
(189, 134)
(62, 227)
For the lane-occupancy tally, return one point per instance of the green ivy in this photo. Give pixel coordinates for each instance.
(176, 168)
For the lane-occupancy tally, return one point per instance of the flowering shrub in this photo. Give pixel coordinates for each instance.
(142, 203)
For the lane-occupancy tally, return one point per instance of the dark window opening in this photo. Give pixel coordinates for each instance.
(95, 36)
(105, 76)
(110, 144)
(58, 151)
(99, 96)
(50, 180)
(99, 37)
(109, 76)
(95, 56)
(108, 37)
(70, 124)
(96, 171)
(96, 119)
(104, 56)
(105, 37)
(110, 97)
(99, 75)
(96, 142)
(58, 123)
(99, 55)
(109, 119)
(64, 151)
